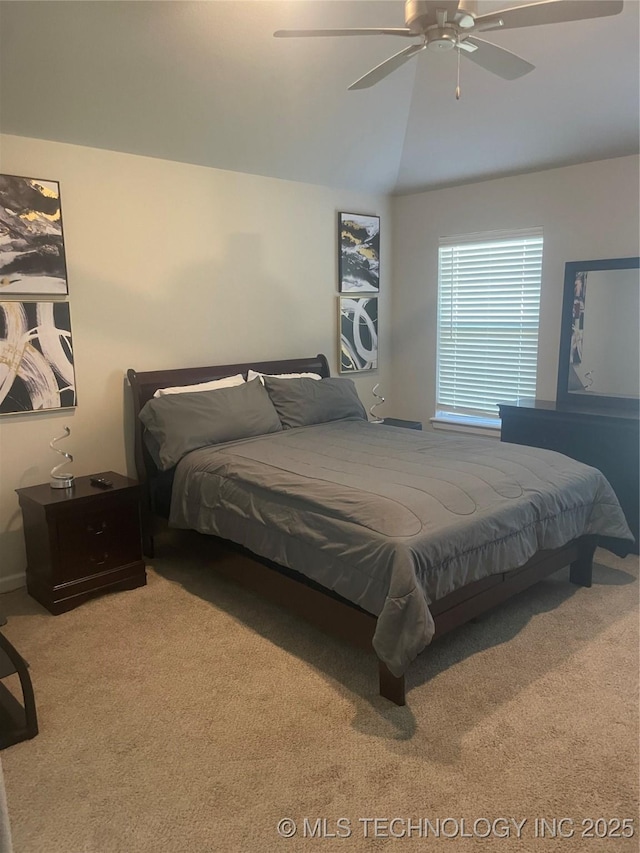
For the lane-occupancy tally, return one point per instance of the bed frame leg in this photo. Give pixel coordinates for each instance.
(147, 545)
(147, 525)
(391, 686)
(581, 570)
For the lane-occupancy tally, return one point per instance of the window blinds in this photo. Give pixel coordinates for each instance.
(488, 312)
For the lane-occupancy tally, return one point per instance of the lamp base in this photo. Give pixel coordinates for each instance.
(65, 482)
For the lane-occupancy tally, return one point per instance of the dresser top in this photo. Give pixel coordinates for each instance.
(630, 412)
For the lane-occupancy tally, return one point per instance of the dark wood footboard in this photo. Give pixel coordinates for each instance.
(477, 598)
(339, 617)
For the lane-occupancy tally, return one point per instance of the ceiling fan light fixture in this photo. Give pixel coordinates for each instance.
(464, 20)
(442, 38)
(466, 12)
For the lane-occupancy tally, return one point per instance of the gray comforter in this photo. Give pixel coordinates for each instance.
(392, 519)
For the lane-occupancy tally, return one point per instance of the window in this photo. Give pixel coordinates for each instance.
(488, 311)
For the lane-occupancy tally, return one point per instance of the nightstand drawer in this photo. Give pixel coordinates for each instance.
(98, 540)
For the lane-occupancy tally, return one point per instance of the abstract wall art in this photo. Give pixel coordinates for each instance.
(359, 261)
(32, 258)
(358, 333)
(36, 357)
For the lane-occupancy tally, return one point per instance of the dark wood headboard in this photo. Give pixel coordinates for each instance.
(145, 384)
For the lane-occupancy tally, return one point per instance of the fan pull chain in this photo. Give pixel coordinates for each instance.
(458, 77)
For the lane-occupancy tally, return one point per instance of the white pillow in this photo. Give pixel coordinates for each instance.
(252, 374)
(227, 382)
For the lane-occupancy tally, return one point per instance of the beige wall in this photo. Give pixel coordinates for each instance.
(587, 212)
(173, 265)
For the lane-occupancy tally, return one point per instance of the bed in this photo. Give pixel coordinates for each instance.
(387, 537)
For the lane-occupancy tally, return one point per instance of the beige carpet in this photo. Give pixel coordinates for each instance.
(189, 717)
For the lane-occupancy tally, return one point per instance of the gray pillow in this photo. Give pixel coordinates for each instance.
(301, 402)
(179, 423)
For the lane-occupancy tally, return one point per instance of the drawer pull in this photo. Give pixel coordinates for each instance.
(100, 562)
(97, 531)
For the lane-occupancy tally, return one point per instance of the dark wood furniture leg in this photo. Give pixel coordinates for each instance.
(581, 570)
(391, 686)
(146, 522)
(17, 722)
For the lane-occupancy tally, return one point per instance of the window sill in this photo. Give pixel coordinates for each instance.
(468, 427)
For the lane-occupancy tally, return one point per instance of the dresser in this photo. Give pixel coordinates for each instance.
(606, 438)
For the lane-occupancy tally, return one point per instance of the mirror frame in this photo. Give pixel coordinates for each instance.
(563, 393)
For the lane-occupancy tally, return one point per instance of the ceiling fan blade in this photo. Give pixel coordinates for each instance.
(465, 44)
(497, 60)
(368, 31)
(381, 71)
(551, 12)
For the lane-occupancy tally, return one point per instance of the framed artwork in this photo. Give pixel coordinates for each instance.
(358, 333)
(36, 357)
(32, 259)
(359, 261)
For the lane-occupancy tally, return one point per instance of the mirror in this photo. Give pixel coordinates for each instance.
(600, 336)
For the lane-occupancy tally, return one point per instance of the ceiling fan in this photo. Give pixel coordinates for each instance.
(443, 25)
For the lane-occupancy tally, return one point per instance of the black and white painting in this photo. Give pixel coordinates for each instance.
(32, 259)
(358, 333)
(359, 238)
(36, 357)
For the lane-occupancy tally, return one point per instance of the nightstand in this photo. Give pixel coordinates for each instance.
(397, 422)
(82, 541)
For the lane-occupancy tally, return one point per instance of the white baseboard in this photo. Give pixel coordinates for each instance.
(8, 584)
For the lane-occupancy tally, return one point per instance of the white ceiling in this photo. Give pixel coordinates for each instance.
(206, 83)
